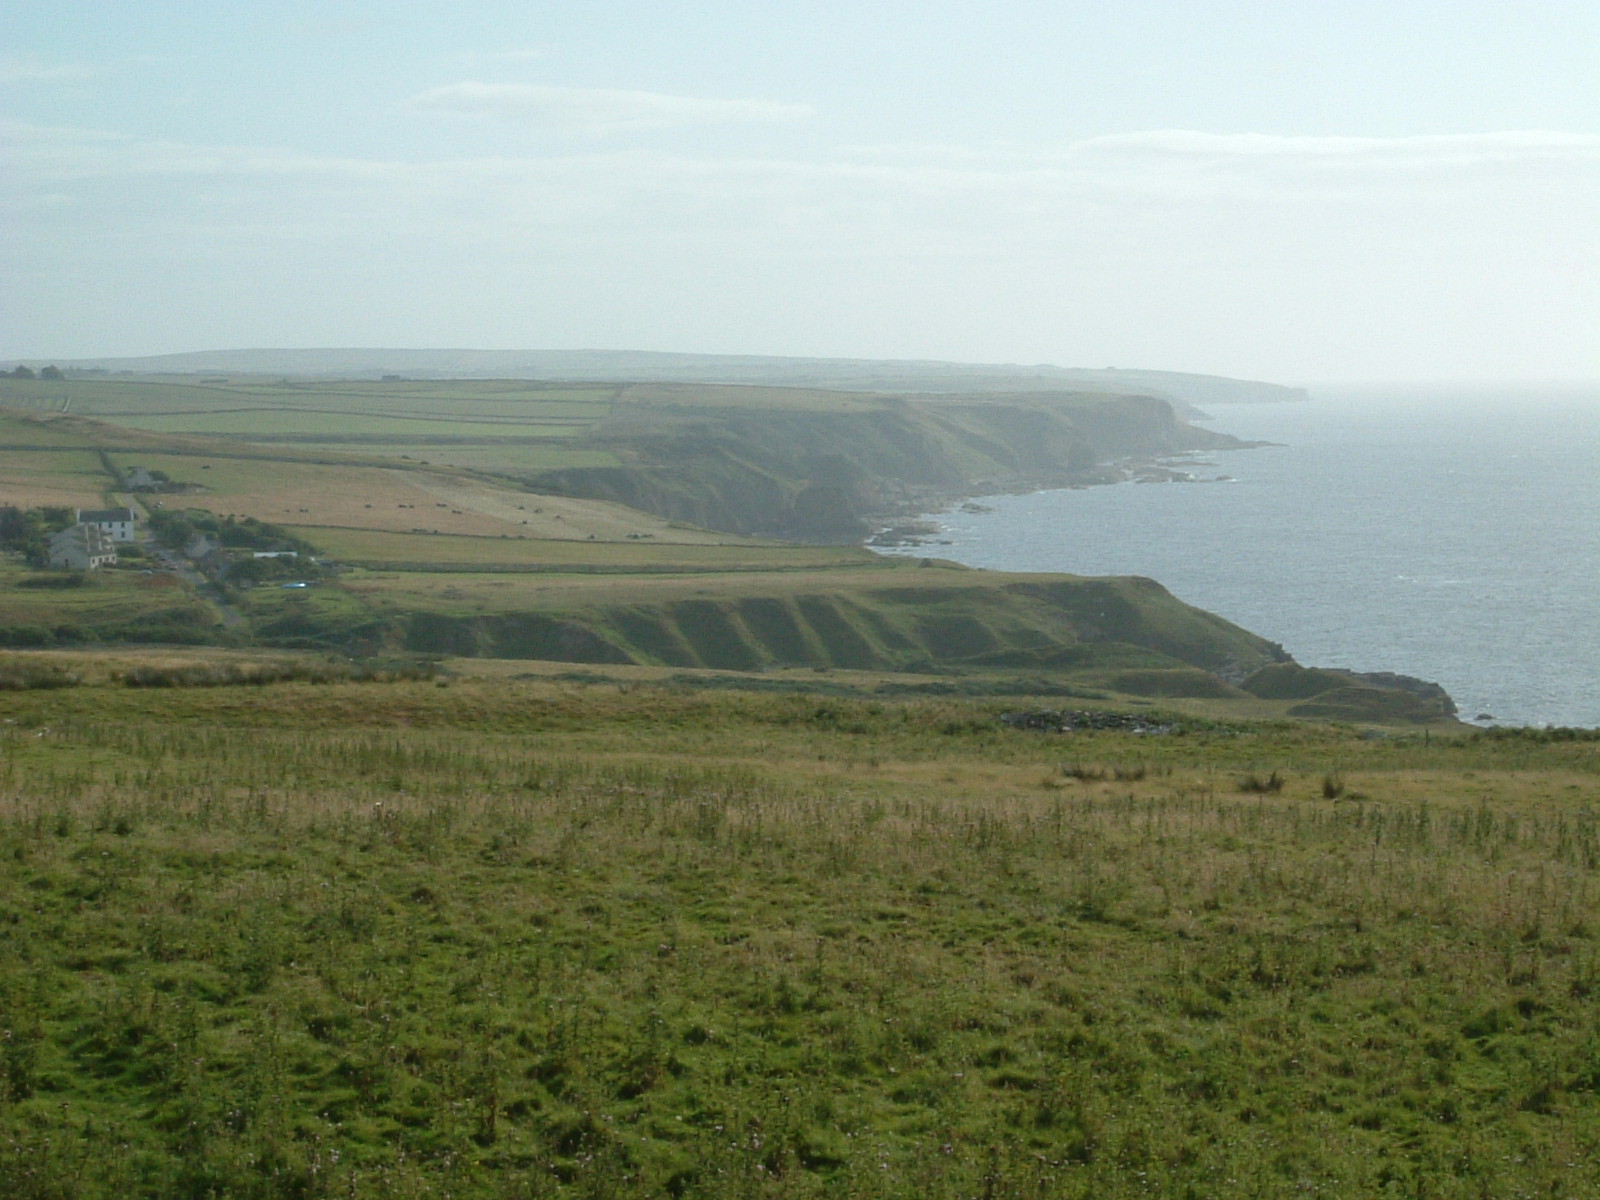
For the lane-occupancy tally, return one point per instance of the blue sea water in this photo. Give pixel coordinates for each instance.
(1453, 536)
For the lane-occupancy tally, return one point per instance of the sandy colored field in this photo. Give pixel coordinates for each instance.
(396, 500)
(559, 517)
(309, 494)
(35, 479)
(358, 546)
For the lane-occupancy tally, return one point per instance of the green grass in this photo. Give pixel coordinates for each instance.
(269, 424)
(121, 399)
(38, 478)
(500, 425)
(20, 429)
(376, 546)
(518, 939)
(44, 608)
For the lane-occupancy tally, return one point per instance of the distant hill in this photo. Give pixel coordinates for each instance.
(850, 374)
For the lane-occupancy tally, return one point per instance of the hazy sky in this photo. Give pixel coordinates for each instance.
(1296, 191)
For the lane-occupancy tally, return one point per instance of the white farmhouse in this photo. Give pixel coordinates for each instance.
(82, 548)
(116, 522)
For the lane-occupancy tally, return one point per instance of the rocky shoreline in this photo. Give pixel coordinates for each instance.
(921, 529)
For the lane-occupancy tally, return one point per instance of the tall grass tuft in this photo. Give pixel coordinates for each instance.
(19, 674)
(1256, 785)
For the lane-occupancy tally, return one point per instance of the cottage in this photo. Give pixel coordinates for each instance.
(199, 546)
(117, 523)
(82, 548)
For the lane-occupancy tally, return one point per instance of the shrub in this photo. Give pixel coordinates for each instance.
(1255, 784)
(232, 675)
(24, 675)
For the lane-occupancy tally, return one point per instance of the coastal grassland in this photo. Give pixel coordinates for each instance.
(43, 608)
(496, 424)
(175, 398)
(267, 424)
(659, 546)
(53, 478)
(512, 456)
(765, 610)
(288, 492)
(356, 504)
(29, 430)
(540, 939)
(752, 397)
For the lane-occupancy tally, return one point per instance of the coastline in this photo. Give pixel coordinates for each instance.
(1447, 536)
(915, 522)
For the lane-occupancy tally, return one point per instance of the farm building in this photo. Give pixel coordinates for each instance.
(82, 548)
(117, 523)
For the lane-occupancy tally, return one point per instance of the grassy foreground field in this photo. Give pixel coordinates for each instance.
(531, 937)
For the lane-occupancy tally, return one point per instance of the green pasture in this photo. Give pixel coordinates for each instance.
(376, 546)
(20, 430)
(503, 456)
(43, 608)
(177, 398)
(715, 395)
(218, 474)
(270, 423)
(36, 478)
(620, 580)
(534, 938)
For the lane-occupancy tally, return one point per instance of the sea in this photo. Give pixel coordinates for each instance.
(1449, 534)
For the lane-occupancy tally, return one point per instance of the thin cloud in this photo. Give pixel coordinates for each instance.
(601, 111)
(15, 69)
(526, 54)
(1437, 149)
(1171, 164)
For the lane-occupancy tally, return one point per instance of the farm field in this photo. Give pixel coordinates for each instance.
(397, 499)
(492, 425)
(503, 425)
(732, 579)
(62, 478)
(513, 937)
(38, 608)
(653, 549)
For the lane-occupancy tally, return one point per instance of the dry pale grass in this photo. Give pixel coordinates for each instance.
(403, 500)
(559, 516)
(97, 667)
(66, 479)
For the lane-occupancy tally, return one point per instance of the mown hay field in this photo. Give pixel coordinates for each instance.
(53, 478)
(665, 546)
(480, 938)
(348, 498)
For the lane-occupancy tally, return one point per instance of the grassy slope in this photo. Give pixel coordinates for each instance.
(511, 939)
(37, 609)
(871, 613)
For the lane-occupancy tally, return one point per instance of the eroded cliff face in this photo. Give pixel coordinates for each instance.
(824, 475)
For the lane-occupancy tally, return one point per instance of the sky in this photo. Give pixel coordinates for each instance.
(1300, 192)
